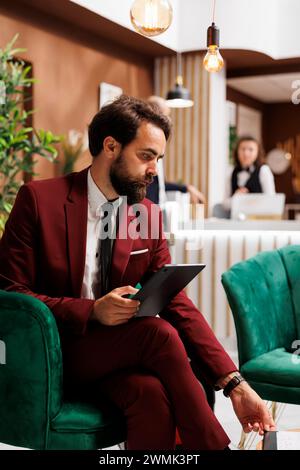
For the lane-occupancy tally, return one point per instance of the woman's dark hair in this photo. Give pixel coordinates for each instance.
(121, 120)
(260, 153)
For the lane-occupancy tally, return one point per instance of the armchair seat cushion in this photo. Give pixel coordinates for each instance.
(84, 417)
(83, 425)
(275, 367)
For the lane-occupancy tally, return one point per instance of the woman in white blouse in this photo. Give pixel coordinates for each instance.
(250, 174)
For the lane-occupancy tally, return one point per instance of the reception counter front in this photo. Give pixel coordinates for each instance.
(219, 245)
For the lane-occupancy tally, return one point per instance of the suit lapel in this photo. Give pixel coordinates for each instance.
(76, 209)
(76, 223)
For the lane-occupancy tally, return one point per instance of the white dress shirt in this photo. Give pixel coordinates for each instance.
(266, 180)
(162, 197)
(95, 200)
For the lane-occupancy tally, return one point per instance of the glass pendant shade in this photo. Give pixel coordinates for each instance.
(213, 61)
(151, 17)
(179, 97)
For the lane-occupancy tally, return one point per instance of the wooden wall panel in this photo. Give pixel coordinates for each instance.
(68, 73)
(187, 153)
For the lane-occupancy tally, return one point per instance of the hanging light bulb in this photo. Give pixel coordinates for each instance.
(213, 61)
(179, 97)
(151, 17)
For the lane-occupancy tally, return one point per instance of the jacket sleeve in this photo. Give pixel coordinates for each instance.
(18, 261)
(175, 187)
(191, 325)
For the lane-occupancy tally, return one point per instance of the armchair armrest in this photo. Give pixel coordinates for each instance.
(31, 374)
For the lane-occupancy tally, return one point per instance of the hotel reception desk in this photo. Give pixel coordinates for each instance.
(220, 244)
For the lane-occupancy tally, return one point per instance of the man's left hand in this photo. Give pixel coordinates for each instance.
(251, 410)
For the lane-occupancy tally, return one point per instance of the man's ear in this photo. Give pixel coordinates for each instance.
(111, 147)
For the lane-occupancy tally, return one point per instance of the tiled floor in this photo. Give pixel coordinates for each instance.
(289, 419)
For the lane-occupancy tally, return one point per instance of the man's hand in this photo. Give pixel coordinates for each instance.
(251, 410)
(195, 195)
(113, 309)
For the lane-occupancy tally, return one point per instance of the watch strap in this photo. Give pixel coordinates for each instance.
(233, 382)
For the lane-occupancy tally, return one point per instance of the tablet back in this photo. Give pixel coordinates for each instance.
(163, 285)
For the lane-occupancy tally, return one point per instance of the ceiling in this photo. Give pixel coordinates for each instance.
(266, 26)
(268, 88)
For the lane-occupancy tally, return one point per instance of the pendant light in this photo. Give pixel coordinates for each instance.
(179, 97)
(213, 61)
(151, 17)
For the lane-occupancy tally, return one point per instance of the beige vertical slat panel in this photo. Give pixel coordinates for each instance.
(194, 161)
(204, 117)
(179, 156)
(197, 138)
(165, 75)
(188, 162)
(207, 139)
(157, 77)
(164, 89)
(188, 149)
(172, 148)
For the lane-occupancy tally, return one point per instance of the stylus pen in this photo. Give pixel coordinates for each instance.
(138, 286)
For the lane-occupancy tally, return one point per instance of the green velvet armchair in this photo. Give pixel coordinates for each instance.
(34, 412)
(264, 296)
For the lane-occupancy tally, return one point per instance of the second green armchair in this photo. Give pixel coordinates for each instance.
(264, 296)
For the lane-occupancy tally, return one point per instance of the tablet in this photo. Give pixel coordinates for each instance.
(163, 285)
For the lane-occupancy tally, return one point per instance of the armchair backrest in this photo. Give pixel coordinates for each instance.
(31, 377)
(261, 299)
(291, 259)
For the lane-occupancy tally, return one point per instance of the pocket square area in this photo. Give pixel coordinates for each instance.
(139, 252)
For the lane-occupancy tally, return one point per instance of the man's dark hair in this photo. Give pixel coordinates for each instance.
(121, 120)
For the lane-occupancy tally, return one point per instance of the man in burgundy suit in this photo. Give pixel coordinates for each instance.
(50, 250)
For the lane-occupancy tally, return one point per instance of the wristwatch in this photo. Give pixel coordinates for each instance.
(234, 382)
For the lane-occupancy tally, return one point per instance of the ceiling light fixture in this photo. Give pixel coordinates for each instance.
(179, 97)
(151, 17)
(213, 61)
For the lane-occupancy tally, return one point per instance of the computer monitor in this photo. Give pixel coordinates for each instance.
(257, 206)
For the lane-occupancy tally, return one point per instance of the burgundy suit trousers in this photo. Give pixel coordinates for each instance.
(142, 366)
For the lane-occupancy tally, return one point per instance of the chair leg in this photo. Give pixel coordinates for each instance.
(274, 410)
(241, 444)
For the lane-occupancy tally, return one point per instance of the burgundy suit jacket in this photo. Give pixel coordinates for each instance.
(42, 254)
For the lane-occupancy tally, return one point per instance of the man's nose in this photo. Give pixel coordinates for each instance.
(152, 168)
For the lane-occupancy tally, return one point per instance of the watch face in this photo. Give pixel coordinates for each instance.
(278, 160)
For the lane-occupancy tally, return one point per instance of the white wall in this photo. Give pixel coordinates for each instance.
(218, 138)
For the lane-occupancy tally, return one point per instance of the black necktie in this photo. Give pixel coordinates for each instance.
(105, 243)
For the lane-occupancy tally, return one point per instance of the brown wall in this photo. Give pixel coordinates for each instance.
(69, 72)
(281, 122)
(282, 129)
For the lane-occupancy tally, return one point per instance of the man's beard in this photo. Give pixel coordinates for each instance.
(125, 185)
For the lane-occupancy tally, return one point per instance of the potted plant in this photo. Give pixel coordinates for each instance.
(19, 142)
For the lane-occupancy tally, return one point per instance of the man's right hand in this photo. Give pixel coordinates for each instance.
(113, 309)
